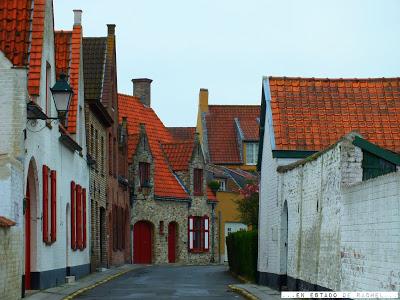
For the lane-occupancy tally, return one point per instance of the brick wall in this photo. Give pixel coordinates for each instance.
(342, 233)
(370, 235)
(96, 135)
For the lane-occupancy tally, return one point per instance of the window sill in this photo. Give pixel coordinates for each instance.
(198, 251)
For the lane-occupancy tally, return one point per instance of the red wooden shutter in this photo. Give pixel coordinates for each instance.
(79, 216)
(73, 216)
(53, 176)
(198, 182)
(190, 233)
(206, 232)
(84, 217)
(45, 219)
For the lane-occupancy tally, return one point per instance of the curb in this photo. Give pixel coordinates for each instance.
(82, 290)
(243, 292)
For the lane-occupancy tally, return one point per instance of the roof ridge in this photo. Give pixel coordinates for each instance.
(331, 79)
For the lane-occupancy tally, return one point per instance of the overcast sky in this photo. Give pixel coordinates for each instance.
(228, 45)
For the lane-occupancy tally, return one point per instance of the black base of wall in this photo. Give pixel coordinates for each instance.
(277, 281)
(78, 271)
(52, 278)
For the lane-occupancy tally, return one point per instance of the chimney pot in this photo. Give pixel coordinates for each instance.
(142, 90)
(111, 29)
(77, 17)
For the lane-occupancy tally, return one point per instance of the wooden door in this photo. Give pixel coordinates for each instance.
(142, 243)
(27, 239)
(171, 242)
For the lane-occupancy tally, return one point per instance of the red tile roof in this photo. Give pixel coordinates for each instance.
(68, 51)
(16, 39)
(178, 154)
(313, 113)
(5, 222)
(182, 133)
(167, 153)
(136, 113)
(222, 133)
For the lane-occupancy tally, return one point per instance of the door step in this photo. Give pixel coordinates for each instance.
(69, 279)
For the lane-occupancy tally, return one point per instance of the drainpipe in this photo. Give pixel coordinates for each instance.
(212, 232)
(219, 236)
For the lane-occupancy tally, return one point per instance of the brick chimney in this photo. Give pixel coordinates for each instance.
(203, 100)
(142, 89)
(111, 29)
(77, 17)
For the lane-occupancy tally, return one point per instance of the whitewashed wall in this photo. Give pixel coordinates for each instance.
(370, 235)
(13, 97)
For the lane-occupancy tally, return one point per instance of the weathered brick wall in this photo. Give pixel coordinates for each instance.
(13, 97)
(11, 264)
(96, 135)
(370, 235)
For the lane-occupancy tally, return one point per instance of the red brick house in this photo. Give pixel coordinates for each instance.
(101, 90)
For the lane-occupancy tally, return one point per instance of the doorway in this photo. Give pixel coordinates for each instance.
(142, 242)
(27, 238)
(284, 243)
(172, 236)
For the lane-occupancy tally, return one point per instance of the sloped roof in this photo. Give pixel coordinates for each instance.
(182, 133)
(313, 113)
(162, 144)
(165, 183)
(20, 44)
(178, 154)
(68, 46)
(222, 133)
(94, 59)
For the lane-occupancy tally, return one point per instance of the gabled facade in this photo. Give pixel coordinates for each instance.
(229, 136)
(173, 211)
(98, 120)
(228, 133)
(299, 117)
(108, 144)
(45, 156)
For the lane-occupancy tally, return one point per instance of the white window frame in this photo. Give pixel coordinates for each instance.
(251, 153)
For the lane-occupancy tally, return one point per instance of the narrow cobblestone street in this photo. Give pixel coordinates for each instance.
(168, 282)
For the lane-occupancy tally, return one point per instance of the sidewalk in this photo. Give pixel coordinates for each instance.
(254, 291)
(70, 290)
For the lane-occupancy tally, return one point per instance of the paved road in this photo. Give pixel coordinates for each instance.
(168, 282)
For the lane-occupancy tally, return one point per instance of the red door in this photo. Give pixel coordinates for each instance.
(27, 240)
(142, 243)
(171, 242)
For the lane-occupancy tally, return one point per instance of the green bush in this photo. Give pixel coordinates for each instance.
(242, 253)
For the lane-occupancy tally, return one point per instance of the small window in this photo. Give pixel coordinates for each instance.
(222, 185)
(251, 153)
(198, 234)
(198, 182)
(144, 174)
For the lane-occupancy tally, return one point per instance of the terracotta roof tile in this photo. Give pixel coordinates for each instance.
(68, 46)
(313, 113)
(136, 113)
(17, 39)
(182, 133)
(179, 154)
(5, 222)
(222, 134)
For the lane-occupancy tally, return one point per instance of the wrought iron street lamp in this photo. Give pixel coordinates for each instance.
(62, 94)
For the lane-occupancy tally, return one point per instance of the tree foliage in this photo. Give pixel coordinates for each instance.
(247, 205)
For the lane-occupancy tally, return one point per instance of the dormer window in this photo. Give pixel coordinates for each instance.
(251, 153)
(144, 174)
(198, 182)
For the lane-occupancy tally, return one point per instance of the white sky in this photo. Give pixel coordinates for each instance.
(228, 45)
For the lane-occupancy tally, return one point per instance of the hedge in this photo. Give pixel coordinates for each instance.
(242, 253)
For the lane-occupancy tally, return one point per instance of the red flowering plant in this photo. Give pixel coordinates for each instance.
(247, 205)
